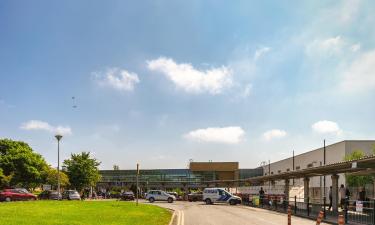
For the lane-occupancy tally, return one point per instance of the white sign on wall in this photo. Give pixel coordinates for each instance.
(47, 187)
(359, 206)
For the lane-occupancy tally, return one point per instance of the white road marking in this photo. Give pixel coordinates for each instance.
(182, 218)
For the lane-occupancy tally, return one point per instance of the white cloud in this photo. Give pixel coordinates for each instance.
(192, 80)
(41, 125)
(261, 51)
(355, 47)
(348, 11)
(326, 127)
(360, 75)
(275, 133)
(329, 46)
(227, 135)
(247, 90)
(118, 79)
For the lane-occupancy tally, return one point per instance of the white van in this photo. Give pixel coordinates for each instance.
(220, 195)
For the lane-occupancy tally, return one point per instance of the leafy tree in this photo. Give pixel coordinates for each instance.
(82, 170)
(51, 178)
(21, 166)
(354, 180)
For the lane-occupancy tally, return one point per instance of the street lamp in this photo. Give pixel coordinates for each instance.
(58, 137)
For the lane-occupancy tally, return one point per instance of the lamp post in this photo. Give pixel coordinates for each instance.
(58, 137)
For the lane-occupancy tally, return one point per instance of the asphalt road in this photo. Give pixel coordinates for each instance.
(197, 213)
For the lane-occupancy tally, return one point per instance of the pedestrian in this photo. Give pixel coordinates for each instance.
(342, 195)
(261, 195)
(330, 198)
(362, 194)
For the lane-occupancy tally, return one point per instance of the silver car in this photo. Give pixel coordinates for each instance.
(71, 195)
(158, 195)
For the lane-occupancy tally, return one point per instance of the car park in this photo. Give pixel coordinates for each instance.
(71, 195)
(195, 196)
(127, 195)
(219, 195)
(49, 195)
(16, 194)
(158, 195)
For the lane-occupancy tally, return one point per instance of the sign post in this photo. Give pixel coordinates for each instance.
(137, 184)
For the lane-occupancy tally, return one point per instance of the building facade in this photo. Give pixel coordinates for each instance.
(197, 176)
(334, 153)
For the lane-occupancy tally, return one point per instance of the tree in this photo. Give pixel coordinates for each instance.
(51, 178)
(354, 180)
(82, 170)
(21, 165)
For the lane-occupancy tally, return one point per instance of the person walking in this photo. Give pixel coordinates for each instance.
(330, 198)
(261, 195)
(342, 195)
(362, 194)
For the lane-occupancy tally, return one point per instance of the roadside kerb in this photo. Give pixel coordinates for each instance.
(177, 218)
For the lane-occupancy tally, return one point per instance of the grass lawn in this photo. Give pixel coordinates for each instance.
(81, 212)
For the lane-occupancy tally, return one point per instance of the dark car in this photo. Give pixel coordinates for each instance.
(16, 194)
(128, 195)
(49, 195)
(196, 196)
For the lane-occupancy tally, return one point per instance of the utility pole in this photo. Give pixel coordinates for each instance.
(137, 184)
(293, 167)
(269, 172)
(324, 162)
(58, 137)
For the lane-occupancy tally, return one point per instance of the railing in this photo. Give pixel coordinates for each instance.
(355, 212)
(361, 212)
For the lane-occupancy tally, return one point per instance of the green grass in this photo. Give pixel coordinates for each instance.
(82, 212)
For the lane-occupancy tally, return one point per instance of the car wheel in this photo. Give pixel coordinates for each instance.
(232, 202)
(8, 199)
(32, 199)
(208, 201)
(151, 200)
(190, 200)
(170, 200)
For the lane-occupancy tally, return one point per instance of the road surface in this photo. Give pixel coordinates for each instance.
(197, 213)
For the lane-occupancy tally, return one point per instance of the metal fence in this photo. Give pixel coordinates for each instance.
(355, 212)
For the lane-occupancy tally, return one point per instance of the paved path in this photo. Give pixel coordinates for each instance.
(197, 213)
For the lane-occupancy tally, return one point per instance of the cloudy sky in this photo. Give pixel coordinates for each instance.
(162, 82)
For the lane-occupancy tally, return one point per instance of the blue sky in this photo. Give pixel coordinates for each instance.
(162, 82)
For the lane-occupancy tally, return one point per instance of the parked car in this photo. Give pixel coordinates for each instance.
(49, 195)
(174, 194)
(196, 196)
(158, 195)
(71, 195)
(16, 194)
(128, 195)
(219, 195)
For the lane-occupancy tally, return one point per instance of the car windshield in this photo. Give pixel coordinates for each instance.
(22, 190)
(73, 192)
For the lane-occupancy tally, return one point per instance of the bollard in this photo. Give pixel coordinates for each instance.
(341, 220)
(320, 217)
(289, 216)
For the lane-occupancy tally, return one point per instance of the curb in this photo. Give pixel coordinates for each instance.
(177, 218)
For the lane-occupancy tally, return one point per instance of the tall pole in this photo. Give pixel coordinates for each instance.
(324, 162)
(293, 167)
(58, 137)
(137, 183)
(269, 172)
